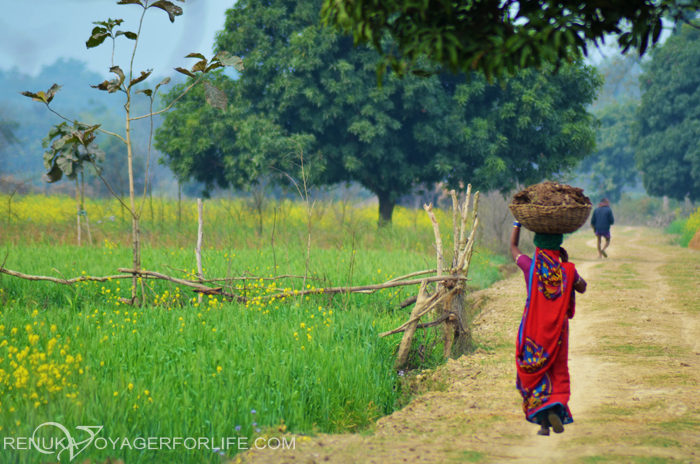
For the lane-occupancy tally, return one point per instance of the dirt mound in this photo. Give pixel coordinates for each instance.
(551, 194)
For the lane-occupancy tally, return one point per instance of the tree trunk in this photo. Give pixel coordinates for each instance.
(386, 208)
(135, 229)
(198, 249)
(82, 206)
(77, 204)
(179, 204)
(457, 332)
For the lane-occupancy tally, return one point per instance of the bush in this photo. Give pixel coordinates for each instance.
(685, 228)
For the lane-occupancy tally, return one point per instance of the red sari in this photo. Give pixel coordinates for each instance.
(542, 346)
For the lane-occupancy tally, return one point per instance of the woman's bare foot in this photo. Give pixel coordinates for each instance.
(545, 428)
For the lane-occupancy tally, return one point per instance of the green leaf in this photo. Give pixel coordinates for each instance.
(58, 144)
(215, 97)
(168, 7)
(227, 59)
(213, 66)
(48, 158)
(186, 72)
(113, 85)
(109, 24)
(127, 34)
(200, 66)
(96, 39)
(65, 164)
(55, 174)
(39, 96)
(130, 2)
(165, 81)
(118, 71)
(43, 97)
(98, 35)
(141, 78)
(196, 55)
(52, 91)
(148, 92)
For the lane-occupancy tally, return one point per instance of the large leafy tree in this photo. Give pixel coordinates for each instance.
(498, 35)
(668, 130)
(308, 89)
(8, 129)
(613, 167)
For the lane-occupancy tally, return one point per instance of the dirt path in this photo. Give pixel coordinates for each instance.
(634, 363)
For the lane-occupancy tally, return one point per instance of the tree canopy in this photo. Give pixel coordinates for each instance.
(613, 167)
(306, 87)
(495, 35)
(8, 128)
(668, 129)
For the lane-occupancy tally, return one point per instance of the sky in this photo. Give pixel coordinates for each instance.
(35, 33)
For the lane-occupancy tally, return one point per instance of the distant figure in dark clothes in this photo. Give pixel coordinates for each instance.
(601, 220)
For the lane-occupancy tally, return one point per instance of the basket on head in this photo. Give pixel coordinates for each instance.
(562, 219)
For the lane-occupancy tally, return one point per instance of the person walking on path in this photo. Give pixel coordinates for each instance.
(601, 220)
(542, 344)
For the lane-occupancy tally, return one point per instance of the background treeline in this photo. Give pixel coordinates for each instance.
(645, 157)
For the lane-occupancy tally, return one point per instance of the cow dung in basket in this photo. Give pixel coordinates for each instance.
(551, 208)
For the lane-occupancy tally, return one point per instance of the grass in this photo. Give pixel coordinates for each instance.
(176, 368)
(683, 276)
(626, 459)
(683, 229)
(471, 456)
(680, 425)
(639, 349)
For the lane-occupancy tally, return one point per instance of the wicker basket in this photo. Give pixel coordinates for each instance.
(562, 219)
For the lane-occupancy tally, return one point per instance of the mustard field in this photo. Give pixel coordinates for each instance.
(76, 355)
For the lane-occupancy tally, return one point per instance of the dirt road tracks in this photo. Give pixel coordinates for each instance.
(635, 373)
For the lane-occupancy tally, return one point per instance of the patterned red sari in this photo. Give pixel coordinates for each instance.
(542, 347)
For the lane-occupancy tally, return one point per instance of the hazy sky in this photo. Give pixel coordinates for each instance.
(34, 33)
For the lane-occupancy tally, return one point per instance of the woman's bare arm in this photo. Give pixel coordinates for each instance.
(514, 240)
(580, 284)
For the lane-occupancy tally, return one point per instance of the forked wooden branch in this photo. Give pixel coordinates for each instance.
(455, 226)
(63, 281)
(423, 301)
(472, 235)
(461, 259)
(364, 288)
(465, 215)
(438, 240)
(423, 307)
(199, 288)
(433, 323)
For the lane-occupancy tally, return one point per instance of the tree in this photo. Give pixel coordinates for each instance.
(613, 167)
(8, 128)
(495, 35)
(621, 74)
(74, 148)
(219, 149)
(306, 82)
(668, 129)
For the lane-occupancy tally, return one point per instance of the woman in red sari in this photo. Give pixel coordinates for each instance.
(542, 346)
